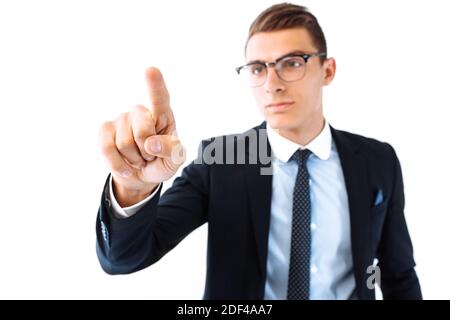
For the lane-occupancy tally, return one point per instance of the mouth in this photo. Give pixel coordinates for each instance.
(279, 106)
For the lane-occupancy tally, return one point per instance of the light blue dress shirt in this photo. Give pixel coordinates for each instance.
(331, 270)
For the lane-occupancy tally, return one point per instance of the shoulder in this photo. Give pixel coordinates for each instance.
(362, 144)
(244, 138)
(234, 138)
(249, 146)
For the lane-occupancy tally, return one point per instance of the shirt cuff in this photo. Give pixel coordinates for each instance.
(123, 213)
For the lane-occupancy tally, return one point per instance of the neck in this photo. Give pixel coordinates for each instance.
(305, 133)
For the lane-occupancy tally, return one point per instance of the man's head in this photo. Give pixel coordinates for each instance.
(279, 32)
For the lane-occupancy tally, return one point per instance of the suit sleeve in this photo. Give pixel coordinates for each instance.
(128, 245)
(396, 262)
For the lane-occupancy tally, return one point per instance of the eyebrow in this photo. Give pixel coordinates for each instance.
(282, 57)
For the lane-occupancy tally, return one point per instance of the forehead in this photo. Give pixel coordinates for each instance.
(268, 46)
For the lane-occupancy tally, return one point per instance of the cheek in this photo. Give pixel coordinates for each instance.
(259, 97)
(307, 93)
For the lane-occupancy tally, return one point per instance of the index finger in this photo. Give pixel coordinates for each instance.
(159, 96)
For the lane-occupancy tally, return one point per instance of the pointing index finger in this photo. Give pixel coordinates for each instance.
(159, 96)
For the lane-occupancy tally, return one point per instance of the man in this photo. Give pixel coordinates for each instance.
(310, 221)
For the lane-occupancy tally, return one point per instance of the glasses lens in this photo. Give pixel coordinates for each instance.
(291, 69)
(253, 74)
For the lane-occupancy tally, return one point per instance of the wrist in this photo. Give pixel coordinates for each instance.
(127, 197)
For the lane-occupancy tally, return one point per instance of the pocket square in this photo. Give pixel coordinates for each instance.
(378, 198)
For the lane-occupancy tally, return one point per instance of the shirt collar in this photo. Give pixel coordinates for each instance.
(284, 148)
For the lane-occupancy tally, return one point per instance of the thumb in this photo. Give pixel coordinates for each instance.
(165, 146)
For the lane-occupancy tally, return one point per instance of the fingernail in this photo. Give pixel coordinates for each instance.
(155, 146)
(149, 158)
(126, 173)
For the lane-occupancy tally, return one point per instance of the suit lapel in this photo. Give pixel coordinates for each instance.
(354, 168)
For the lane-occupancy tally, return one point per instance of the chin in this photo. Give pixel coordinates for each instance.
(282, 122)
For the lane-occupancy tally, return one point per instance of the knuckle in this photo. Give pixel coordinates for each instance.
(124, 144)
(106, 127)
(173, 143)
(140, 113)
(138, 108)
(107, 148)
(122, 117)
(141, 133)
(116, 167)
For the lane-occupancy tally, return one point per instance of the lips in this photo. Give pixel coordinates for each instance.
(279, 106)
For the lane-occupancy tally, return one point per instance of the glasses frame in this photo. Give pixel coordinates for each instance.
(266, 65)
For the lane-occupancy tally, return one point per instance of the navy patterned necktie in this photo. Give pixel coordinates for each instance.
(298, 286)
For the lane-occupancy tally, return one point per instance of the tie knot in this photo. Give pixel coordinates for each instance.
(300, 156)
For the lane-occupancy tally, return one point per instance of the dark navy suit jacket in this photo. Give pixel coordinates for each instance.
(235, 200)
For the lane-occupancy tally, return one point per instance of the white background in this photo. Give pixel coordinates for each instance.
(67, 66)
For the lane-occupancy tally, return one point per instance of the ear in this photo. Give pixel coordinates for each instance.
(329, 67)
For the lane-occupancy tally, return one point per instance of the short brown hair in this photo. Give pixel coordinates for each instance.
(287, 16)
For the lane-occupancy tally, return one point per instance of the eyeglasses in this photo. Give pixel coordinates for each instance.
(288, 68)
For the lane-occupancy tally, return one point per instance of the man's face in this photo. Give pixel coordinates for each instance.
(303, 97)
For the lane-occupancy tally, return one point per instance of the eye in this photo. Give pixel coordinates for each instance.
(255, 69)
(293, 63)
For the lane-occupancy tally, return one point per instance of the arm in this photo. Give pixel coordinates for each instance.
(142, 150)
(398, 277)
(131, 244)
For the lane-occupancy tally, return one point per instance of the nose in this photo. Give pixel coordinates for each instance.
(273, 83)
